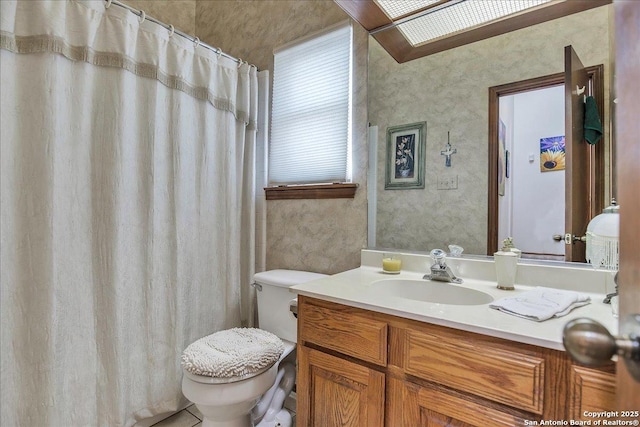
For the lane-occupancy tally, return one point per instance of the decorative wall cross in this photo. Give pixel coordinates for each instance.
(447, 152)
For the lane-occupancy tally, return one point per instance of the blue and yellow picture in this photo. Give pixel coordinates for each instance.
(552, 153)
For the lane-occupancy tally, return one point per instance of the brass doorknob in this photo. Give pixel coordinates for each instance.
(569, 239)
(590, 343)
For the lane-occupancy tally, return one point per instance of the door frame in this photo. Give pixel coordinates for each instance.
(596, 75)
(627, 63)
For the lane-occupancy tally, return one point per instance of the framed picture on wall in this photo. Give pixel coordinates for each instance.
(552, 153)
(405, 156)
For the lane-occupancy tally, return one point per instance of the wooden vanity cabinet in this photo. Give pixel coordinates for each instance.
(364, 368)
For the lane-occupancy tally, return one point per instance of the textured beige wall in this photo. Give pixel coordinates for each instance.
(251, 29)
(315, 235)
(180, 13)
(449, 91)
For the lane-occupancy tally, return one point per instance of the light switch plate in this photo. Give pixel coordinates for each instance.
(449, 182)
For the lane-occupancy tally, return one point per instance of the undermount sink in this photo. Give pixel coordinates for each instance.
(428, 291)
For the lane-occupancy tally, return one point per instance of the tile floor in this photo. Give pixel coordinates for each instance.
(189, 417)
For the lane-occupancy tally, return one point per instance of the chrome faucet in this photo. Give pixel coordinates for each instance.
(440, 271)
(607, 299)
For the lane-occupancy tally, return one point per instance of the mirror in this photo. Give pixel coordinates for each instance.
(449, 91)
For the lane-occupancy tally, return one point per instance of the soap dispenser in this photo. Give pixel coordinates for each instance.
(507, 245)
(506, 262)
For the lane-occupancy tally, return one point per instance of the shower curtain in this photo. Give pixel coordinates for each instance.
(126, 212)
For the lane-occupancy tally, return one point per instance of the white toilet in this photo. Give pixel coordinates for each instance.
(237, 377)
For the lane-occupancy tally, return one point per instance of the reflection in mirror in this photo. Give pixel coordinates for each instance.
(527, 126)
(531, 185)
(449, 90)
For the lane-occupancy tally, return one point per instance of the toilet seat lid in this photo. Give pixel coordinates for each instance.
(232, 353)
(227, 380)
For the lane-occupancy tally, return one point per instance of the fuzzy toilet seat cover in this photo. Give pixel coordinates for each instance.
(236, 352)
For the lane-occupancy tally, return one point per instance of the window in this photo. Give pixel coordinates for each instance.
(311, 112)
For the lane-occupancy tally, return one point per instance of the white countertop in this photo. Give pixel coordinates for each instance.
(352, 288)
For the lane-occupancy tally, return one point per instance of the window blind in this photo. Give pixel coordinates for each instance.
(311, 110)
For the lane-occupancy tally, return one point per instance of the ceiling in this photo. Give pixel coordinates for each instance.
(410, 29)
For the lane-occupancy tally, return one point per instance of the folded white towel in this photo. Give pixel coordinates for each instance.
(541, 303)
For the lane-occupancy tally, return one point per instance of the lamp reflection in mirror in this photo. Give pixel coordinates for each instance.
(602, 238)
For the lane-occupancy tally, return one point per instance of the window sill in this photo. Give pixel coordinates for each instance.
(312, 191)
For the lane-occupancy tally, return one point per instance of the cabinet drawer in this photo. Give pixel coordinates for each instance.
(344, 330)
(481, 367)
(430, 407)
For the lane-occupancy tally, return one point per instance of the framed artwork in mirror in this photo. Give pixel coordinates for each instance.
(552, 153)
(405, 156)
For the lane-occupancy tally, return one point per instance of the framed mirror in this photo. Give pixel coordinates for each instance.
(449, 91)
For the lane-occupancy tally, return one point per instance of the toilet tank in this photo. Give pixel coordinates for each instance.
(274, 299)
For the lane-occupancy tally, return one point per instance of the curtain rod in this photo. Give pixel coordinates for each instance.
(172, 29)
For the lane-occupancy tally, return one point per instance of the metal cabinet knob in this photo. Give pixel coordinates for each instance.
(590, 343)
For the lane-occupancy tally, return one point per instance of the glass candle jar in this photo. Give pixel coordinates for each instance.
(391, 263)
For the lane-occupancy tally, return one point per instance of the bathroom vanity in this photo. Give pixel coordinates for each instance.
(368, 359)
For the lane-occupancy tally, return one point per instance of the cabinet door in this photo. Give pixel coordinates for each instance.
(335, 392)
(592, 390)
(431, 407)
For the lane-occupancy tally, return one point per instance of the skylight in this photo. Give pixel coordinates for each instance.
(451, 17)
(397, 8)
(411, 29)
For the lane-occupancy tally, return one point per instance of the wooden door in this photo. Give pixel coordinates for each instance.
(335, 392)
(627, 24)
(577, 171)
